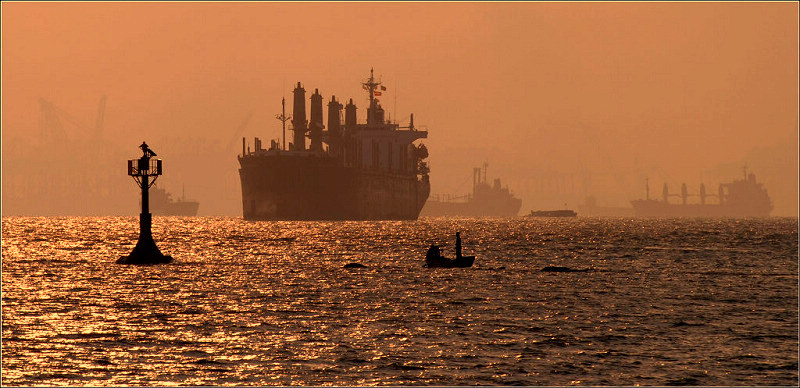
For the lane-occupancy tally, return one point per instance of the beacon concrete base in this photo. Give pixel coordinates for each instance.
(145, 252)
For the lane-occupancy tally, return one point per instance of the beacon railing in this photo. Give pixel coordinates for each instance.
(144, 167)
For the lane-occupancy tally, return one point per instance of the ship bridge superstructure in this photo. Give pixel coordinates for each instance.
(377, 144)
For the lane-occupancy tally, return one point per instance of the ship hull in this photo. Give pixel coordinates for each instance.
(661, 209)
(311, 187)
(161, 204)
(184, 209)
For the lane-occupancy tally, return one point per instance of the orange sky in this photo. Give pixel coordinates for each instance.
(608, 93)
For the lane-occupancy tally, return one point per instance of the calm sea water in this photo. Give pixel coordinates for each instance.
(664, 302)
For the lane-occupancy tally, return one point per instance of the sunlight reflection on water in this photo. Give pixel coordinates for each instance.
(692, 302)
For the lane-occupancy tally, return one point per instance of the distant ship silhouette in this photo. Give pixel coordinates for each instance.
(162, 204)
(740, 198)
(485, 201)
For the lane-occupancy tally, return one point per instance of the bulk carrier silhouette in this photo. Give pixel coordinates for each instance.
(740, 198)
(349, 171)
(486, 201)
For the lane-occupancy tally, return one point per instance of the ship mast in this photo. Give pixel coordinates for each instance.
(283, 118)
(370, 85)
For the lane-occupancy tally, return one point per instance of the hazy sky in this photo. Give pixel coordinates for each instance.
(606, 93)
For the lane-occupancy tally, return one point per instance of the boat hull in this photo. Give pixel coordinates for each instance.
(443, 262)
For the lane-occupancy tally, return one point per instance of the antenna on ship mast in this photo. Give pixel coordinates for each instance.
(370, 85)
(283, 118)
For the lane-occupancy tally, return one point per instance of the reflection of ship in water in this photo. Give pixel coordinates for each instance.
(351, 171)
(162, 204)
(740, 198)
(485, 201)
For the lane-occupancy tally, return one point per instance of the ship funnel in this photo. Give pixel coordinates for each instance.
(684, 193)
(350, 116)
(299, 122)
(334, 127)
(316, 121)
(702, 194)
(334, 117)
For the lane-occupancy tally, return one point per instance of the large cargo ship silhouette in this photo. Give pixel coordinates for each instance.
(485, 201)
(740, 198)
(349, 171)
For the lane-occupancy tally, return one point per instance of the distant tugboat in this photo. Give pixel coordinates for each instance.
(740, 198)
(486, 201)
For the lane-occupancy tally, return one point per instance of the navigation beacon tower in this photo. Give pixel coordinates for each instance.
(145, 252)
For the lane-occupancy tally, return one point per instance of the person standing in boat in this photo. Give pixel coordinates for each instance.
(458, 245)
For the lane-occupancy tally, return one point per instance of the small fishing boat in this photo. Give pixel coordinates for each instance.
(434, 258)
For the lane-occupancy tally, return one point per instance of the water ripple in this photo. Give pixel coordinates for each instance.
(666, 302)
